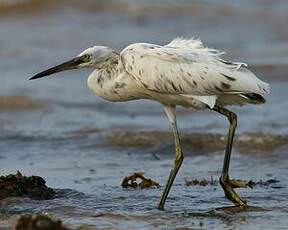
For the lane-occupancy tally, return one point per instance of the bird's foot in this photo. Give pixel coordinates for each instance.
(230, 194)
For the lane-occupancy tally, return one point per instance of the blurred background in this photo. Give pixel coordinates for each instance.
(84, 146)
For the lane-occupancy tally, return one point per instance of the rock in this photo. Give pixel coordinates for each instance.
(18, 185)
(38, 222)
(131, 182)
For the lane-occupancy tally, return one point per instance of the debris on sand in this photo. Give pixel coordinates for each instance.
(251, 184)
(268, 183)
(203, 182)
(131, 182)
(21, 186)
(38, 222)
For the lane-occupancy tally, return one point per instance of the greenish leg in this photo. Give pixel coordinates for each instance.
(225, 181)
(178, 156)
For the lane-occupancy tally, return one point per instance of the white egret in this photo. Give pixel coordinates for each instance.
(183, 73)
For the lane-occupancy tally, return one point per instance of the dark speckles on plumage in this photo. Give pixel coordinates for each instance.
(161, 75)
(145, 85)
(172, 84)
(133, 77)
(195, 83)
(114, 62)
(100, 79)
(225, 85)
(189, 74)
(182, 70)
(139, 71)
(155, 46)
(209, 89)
(141, 56)
(188, 82)
(202, 77)
(115, 92)
(120, 85)
(166, 87)
(157, 87)
(228, 77)
(205, 72)
(262, 88)
(142, 71)
(155, 67)
(217, 88)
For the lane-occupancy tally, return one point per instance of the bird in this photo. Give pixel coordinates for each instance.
(182, 73)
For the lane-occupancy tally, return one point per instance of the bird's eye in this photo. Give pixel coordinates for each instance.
(86, 57)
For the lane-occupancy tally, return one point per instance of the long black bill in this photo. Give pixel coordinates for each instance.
(72, 64)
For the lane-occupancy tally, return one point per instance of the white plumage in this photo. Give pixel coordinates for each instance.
(182, 72)
(186, 68)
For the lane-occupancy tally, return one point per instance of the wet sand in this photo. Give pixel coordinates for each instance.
(84, 147)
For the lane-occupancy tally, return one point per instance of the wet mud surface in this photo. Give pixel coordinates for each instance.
(83, 147)
(206, 142)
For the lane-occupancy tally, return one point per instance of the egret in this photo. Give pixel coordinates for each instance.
(181, 73)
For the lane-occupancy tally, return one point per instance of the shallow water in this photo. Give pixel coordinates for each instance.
(84, 146)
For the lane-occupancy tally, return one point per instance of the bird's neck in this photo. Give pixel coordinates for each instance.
(103, 78)
(107, 73)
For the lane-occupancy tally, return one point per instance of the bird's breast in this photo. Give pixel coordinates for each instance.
(113, 88)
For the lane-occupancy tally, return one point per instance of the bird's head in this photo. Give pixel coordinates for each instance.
(94, 57)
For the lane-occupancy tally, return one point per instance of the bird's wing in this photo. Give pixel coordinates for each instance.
(186, 67)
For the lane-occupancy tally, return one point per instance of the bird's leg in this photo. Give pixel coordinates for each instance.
(178, 157)
(225, 181)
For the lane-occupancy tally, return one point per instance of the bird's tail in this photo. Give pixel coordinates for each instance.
(253, 98)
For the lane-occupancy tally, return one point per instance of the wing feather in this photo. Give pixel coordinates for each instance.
(195, 44)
